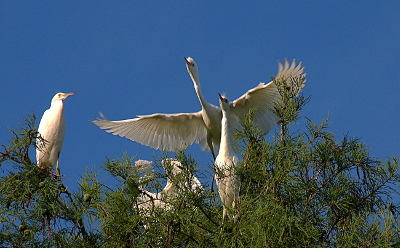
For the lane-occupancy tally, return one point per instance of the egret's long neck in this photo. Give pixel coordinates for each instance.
(226, 145)
(197, 88)
(168, 189)
(202, 100)
(58, 107)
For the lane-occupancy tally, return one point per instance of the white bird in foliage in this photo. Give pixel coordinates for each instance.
(172, 132)
(225, 164)
(147, 200)
(173, 168)
(52, 133)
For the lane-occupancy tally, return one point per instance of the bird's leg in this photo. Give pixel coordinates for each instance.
(213, 154)
(213, 176)
(58, 173)
(212, 180)
(210, 145)
(224, 215)
(58, 168)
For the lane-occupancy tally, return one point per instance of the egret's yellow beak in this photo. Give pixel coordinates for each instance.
(66, 95)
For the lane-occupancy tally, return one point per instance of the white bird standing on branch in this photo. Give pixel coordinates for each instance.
(52, 132)
(172, 132)
(225, 164)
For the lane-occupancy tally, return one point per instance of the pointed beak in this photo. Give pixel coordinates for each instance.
(66, 95)
(220, 97)
(187, 62)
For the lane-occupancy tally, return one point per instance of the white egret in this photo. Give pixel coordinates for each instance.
(172, 167)
(177, 131)
(145, 167)
(147, 200)
(52, 131)
(225, 164)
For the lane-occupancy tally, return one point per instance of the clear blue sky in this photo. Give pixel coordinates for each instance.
(125, 58)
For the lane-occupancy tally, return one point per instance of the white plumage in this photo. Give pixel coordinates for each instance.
(148, 200)
(225, 164)
(172, 132)
(52, 130)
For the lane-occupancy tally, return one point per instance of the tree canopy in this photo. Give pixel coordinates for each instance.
(301, 189)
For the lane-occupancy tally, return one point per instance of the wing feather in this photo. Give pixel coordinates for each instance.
(263, 97)
(160, 131)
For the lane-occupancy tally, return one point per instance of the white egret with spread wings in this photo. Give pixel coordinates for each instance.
(171, 132)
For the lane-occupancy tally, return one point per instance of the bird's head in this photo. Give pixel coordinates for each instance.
(62, 96)
(144, 166)
(193, 70)
(171, 166)
(223, 102)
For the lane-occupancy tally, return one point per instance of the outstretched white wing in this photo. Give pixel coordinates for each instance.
(285, 71)
(168, 132)
(263, 97)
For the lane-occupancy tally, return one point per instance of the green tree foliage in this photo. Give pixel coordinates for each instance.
(303, 189)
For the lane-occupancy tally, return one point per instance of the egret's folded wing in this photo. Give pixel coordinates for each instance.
(160, 131)
(52, 134)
